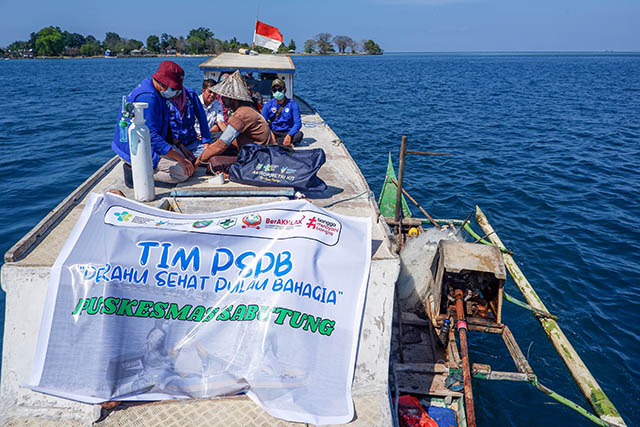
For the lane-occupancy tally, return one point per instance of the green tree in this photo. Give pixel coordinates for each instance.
(167, 41)
(90, 49)
(49, 42)
(283, 48)
(153, 43)
(72, 40)
(201, 33)
(372, 48)
(133, 44)
(32, 40)
(309, 46)
(195, 44)
(111, 40)
(292, 45)
(323, 43)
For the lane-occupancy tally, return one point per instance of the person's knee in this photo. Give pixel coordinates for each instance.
(178, 174)
(297, 138)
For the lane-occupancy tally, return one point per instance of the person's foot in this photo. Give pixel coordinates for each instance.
(118, 192)
(109, 405)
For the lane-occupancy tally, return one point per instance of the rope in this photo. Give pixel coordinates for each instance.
(524, 305)
(369, 192)
(579, 409)
(478, 238)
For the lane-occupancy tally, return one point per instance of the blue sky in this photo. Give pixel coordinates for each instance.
(397, 25)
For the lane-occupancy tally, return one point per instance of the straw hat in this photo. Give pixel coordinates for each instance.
(233, 87)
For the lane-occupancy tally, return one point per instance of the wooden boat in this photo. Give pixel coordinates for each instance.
(387, 364)
(27, 267)
(444, 278)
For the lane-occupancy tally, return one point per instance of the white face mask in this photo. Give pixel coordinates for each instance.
(170, 93)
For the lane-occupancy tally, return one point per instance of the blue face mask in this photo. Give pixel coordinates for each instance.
(170, 93)
(278, 95)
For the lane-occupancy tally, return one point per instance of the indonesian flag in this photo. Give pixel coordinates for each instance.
(267, 36)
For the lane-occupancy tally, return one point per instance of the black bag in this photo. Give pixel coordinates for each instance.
(277, 166)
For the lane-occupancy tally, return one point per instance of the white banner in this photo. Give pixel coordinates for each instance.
(146, 304)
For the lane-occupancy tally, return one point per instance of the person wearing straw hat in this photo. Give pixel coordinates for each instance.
(245, 124)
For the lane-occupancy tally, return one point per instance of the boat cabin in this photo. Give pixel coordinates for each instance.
(258, 70)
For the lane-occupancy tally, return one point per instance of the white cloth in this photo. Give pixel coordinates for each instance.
(214, 113)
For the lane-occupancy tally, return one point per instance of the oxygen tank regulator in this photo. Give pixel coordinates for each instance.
(127, 115)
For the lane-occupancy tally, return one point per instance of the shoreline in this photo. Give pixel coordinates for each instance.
(435, 53)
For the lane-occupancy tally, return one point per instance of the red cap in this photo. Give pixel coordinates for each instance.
(170, 74)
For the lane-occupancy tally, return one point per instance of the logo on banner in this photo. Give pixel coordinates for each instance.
(325, 226)
(284, 222)
(252, 221)
(227, 223)
(159, 223)
(312, 223)
(202, 224)
(123, 216)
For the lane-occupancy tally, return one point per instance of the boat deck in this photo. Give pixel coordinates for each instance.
(26, 271)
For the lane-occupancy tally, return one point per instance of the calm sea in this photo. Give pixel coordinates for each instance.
(547, 145)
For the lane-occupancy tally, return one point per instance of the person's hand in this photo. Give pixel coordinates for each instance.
(187, 166)
(187, 153)
(197, 162)
(287, 141)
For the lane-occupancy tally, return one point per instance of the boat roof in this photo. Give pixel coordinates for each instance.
(250, 63)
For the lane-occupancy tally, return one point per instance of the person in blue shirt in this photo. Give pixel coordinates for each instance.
(184, 111)
(169, 164)
(283, 115)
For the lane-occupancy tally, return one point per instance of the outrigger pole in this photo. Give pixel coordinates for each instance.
(587, 383)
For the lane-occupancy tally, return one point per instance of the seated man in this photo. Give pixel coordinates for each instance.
(245, 124)
(283, 115)
(186, 112)
(213, 108)
(169, 165)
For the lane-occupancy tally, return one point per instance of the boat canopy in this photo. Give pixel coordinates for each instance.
(264, 67)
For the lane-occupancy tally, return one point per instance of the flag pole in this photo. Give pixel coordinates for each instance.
(255, 27)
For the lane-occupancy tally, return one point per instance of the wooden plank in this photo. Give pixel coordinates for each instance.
(434, 368)
(587, 383)
(37, 233)
(425, 384)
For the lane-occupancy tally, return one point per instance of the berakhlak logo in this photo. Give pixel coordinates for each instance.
(312, 223)
(123, 216)
(202, 224)
(159, 223)
(227, 223)
(252, 221)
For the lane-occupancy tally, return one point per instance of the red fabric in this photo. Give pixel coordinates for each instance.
(268, 31)
(412, 414)
(170, 74)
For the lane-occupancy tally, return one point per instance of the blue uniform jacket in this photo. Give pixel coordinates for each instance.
(157, 118)
(182, 124)
(289, 118)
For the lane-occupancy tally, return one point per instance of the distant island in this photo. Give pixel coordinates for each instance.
(55, 42)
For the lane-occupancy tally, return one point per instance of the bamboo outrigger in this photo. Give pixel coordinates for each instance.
(474, 305)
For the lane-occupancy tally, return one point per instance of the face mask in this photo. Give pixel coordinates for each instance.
(278, 95)
(170, 93)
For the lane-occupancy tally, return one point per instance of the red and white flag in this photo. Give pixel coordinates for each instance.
(267, 36)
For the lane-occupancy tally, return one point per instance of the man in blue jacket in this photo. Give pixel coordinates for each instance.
(283, 115)
(184, 111)
(169, 165)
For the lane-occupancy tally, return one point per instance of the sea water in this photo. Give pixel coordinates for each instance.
(547, 144)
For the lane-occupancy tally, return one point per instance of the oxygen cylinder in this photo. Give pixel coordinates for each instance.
(140, 151)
